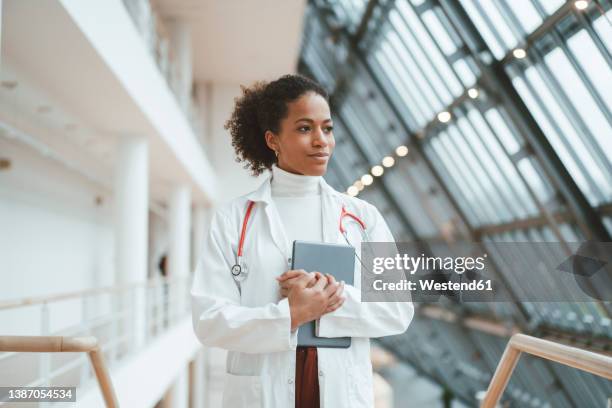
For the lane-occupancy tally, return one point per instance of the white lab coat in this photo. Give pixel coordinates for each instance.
(254, 324)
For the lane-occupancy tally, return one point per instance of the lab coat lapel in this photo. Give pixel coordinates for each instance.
(332, 206)
(263, 198)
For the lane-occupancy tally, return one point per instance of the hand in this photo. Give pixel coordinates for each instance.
(288, 279)
(308, 303)
(336, 300)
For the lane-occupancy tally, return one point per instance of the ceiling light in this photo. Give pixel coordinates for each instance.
(581, 4)
(401, 151)
(519, 53)
(352, 191)
(444, 116)
(388, 161)
(377, 171)
(367, 179)
(473, 93)
(359, 185)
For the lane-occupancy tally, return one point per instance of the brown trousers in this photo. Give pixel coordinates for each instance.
(306, 378)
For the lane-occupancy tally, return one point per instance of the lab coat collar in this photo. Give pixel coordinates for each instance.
(331, 203)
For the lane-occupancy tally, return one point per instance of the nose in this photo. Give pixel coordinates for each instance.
(320, 138)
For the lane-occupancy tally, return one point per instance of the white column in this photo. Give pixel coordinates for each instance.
(179, 220)
(180, 46)
(201, 217)
(199, 380)
(131, 228)
(179, 261)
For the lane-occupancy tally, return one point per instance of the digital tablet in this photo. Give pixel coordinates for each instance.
(337, 260)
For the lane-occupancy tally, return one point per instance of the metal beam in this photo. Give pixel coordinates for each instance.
(497, 78)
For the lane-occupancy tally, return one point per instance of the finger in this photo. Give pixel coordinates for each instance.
(330, 278)
(333, 299)
(312, 281)
(339, 291)
(294, 273)
(335, 306)
(284, 292)
(331, 288)
(337, 294)
(320, 284)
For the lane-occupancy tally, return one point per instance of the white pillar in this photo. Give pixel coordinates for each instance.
(179, 220)
(198, 382)
(179, 223)
(180, 46)
(179, 261)
(131, 228)
(201, 217)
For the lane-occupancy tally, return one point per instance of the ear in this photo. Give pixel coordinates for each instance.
(271, 140)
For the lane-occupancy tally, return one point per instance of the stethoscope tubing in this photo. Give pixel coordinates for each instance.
(239, 269)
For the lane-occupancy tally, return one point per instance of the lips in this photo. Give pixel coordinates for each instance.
(319, 155)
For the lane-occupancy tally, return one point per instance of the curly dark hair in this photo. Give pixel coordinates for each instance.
(261, 107)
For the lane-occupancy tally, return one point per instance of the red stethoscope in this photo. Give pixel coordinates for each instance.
(239, 269)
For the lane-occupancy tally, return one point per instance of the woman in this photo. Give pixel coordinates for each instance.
(285, 126)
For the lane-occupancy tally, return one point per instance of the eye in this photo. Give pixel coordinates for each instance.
(329, 128)
(304, 128)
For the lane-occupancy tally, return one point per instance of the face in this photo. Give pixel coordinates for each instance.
(306, 141)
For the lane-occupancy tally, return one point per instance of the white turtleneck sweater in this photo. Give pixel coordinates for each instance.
(298, 201)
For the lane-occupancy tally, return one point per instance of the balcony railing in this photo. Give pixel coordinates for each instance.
(155, 37)
(584, 360)
(124, 319)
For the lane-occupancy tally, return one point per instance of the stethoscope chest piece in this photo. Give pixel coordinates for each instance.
(239, 272)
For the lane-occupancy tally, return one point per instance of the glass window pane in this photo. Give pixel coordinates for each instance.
(542, 190)
(465, 73)
(551, 5)
(526, 14)
(440, 74)
(391, 62)
(507, 138)
(491, 38)
(593, 63)
(555, 124)
(604, 29)
(580, 97)
(438, 32)
(511, 180)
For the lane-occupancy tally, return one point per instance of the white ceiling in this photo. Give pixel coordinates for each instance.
(240, 41)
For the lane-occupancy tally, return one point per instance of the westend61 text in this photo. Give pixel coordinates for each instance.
(431, 285)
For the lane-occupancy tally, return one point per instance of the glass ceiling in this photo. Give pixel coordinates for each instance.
(506, 110)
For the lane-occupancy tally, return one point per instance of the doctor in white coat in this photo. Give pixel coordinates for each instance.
(253, 311)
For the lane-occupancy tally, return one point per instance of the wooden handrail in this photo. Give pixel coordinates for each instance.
(588, 361)
(58, 344)
(11, 304)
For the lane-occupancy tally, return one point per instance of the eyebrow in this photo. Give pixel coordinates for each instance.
(310, 120)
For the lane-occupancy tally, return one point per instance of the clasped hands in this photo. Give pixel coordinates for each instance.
(310, 294)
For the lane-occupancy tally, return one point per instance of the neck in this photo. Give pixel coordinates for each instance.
(287, 169)
(287, 184)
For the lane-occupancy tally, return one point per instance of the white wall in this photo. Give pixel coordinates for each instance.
(53, 236)
(218, 102)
